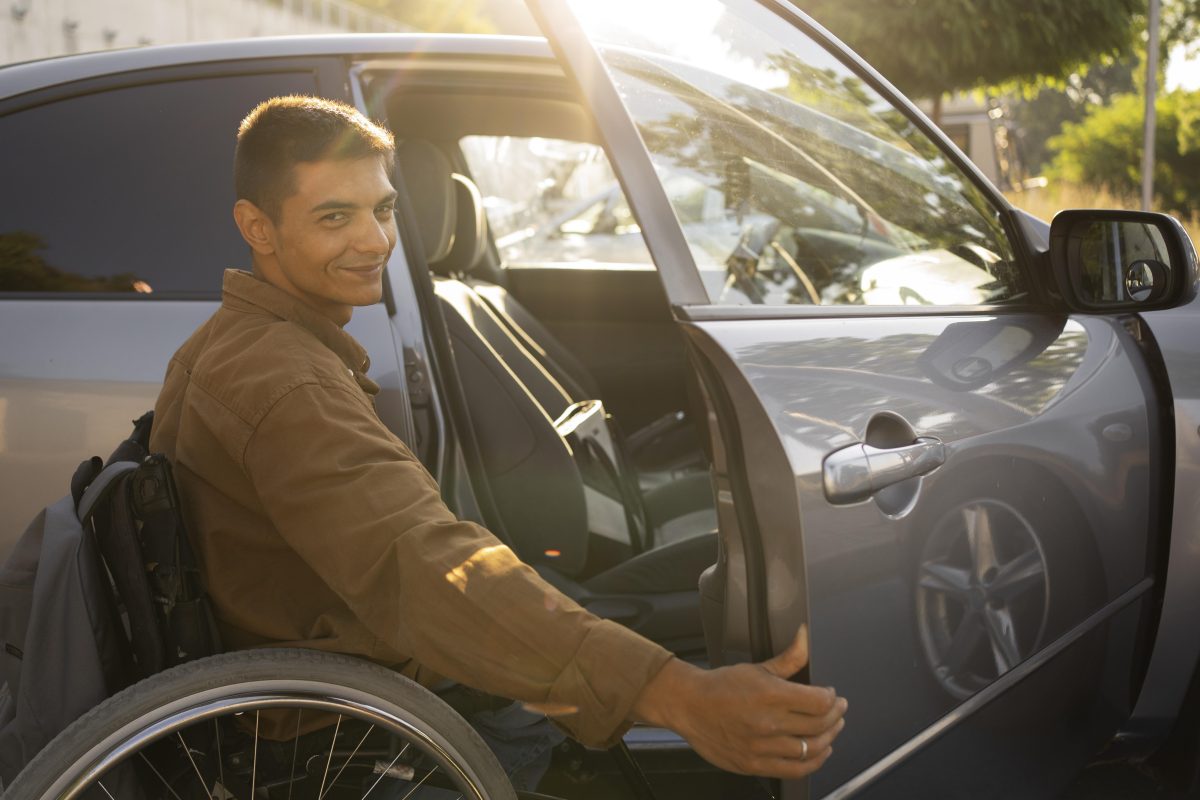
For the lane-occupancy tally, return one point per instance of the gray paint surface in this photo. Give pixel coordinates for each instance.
(74, 374)
(1071, 409)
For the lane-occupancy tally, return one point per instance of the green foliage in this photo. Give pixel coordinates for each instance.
(1104, 151)
(929, 47)
(1041, 114)
(23, 269)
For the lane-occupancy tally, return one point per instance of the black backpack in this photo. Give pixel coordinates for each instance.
(101, 591)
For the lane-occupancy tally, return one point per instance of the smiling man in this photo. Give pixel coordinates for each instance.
(317, 527)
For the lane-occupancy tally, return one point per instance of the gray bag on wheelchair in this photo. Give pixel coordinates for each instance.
(100, 591)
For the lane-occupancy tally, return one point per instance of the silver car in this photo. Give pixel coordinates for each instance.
(856, 389)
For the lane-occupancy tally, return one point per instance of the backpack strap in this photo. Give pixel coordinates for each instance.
(85, 473)
(101, 486)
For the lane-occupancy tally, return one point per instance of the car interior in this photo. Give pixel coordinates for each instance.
(575, 376)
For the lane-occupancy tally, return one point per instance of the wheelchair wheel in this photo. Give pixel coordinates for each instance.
(210, 729)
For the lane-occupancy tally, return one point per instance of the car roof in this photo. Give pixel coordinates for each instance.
(16, 79)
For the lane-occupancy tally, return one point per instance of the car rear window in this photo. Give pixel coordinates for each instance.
(128, 190)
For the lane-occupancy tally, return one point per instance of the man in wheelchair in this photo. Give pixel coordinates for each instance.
(317, 528)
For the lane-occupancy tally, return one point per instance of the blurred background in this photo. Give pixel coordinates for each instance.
(1047, 97)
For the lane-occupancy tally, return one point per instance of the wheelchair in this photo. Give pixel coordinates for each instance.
(263, 724)
(211, 729)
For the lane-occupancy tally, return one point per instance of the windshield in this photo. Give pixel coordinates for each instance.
(827, 193)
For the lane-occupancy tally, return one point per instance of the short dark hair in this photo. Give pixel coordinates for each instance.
(285, 131)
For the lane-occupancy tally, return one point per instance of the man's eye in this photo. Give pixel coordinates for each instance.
(389, 208)
(336, 216)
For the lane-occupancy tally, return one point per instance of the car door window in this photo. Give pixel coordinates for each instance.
(554, 202)
(128, 190)
(826, 193)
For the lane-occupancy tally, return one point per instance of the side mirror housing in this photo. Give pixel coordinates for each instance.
(1106, 261)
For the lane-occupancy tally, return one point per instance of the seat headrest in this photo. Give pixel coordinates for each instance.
(425, 171)
(470, 232)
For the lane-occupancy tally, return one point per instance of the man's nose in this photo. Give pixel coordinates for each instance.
(376, 236)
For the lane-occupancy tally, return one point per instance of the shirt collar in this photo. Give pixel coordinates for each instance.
(239, 285)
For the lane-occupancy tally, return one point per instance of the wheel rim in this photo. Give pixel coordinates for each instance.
(421, 762)
(983, 595)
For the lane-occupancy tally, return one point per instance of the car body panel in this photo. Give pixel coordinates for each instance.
(67, 398)
(17, 79)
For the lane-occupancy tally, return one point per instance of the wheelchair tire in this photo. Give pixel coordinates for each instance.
(119, 731)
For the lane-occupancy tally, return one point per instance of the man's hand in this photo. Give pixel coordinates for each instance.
(748, 718)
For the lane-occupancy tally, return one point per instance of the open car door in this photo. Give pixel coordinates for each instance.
(918, 453)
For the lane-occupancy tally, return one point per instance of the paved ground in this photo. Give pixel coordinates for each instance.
(1117, 782)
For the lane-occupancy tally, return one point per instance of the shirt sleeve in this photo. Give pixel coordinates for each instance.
(368, 518)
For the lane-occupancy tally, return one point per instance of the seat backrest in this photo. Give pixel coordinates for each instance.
(532, 473)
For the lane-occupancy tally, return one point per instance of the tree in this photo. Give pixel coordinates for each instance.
(1040, 117)
(1105, 149)
(23, 269)
(932, 47)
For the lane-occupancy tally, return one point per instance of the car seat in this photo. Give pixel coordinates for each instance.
(555, 517)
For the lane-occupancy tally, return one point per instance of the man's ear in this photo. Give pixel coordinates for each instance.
(256, 227)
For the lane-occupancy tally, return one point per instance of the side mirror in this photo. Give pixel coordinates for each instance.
(1121, 260)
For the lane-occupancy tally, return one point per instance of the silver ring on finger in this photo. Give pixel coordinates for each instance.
(803, 749)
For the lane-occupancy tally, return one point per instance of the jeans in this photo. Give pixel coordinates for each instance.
(522, 741)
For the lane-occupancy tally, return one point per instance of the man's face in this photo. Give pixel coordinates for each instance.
(334, 233)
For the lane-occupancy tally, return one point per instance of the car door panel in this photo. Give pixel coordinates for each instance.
(965, 754)
(1067, 422)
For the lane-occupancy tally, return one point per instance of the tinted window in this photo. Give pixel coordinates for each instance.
(553, 202)
(127, 190)
(827, 194)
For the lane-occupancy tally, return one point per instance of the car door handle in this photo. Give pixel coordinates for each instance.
(856, 472)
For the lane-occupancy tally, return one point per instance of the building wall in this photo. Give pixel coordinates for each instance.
(965, 119)
(32, 29)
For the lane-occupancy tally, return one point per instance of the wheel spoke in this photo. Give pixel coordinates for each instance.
(980, 539)
(968, 635)
(254, 757)
(1018, 576)
(188, 752)
(418, 784)
(1003, 637)
(384, 773)
(220, 760)
(941, 577)
(295, 750)
(329, 759)
(104, 789)
(346, 763)
(166, 783)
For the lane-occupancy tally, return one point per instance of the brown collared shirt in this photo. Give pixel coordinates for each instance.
(317, 527)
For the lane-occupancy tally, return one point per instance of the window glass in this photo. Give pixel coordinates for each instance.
(127, 190)
(822, 192)
(550, 201)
